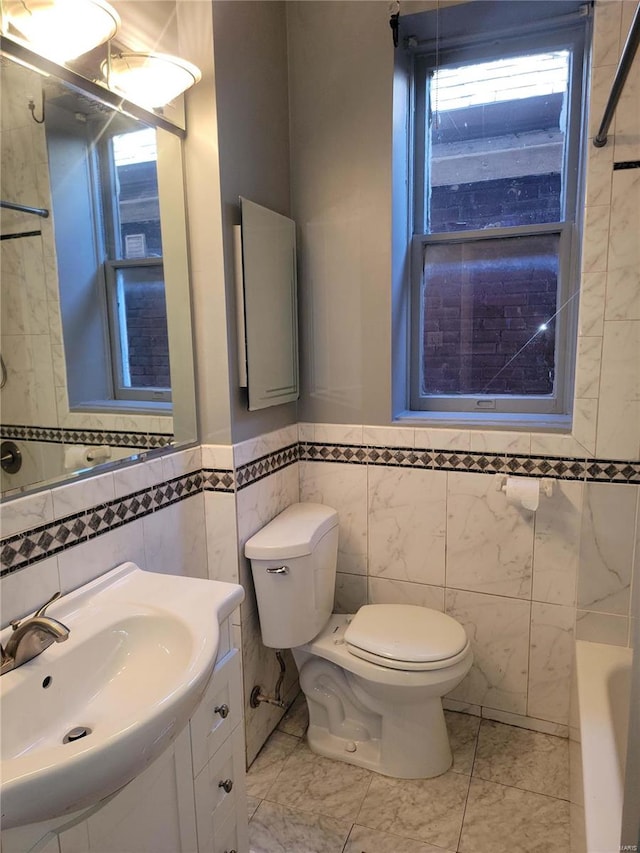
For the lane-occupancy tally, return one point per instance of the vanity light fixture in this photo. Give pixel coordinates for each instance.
(62, 30)
(149, 79)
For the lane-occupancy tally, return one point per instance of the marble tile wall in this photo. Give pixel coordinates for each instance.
(523, 584)
(440, 538)
(166, 535)
(608, 381)
(30, 322)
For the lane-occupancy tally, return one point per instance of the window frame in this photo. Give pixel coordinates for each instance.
(112, 248)
(562, 33)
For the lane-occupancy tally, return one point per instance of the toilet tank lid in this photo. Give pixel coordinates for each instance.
(293, 533)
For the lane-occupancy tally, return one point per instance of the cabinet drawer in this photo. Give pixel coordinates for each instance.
(219, 712)
(218, 806)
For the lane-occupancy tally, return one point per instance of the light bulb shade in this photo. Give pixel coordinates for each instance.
(150, 79)
(62, 29)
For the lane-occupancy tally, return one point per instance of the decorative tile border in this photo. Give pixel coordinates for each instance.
(597, 470)
(540, 466)
(115, 438)
(218, 480)
(31, 546)
(260, 468)
(612, 471)
(353, 454)
(34, 545)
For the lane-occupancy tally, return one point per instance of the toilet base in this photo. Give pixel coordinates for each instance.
(362, 753)
(347, 722)
(368, 754)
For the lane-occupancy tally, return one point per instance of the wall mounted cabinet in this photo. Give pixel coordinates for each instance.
(267, 304)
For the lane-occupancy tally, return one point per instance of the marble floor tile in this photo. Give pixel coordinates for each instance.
(269, 762)
(463, 736)
(277, 829)
(296, 720)
(315, 784)
(500, 819)
(252, 805)
(523, 759)
(363, 840)
(427, 810)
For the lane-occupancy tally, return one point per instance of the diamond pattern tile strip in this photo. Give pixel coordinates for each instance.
(39, 543)
(116, 438)
(259, 468)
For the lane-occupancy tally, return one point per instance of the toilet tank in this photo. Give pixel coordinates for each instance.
(293, 561)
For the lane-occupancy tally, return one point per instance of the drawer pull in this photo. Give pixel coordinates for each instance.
(223, 710)
(229, 851)
(226, 785)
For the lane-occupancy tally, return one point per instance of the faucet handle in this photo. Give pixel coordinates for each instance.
(40, 611)
(15, 623)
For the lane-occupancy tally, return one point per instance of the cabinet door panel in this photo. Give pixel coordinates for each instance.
(152, 814)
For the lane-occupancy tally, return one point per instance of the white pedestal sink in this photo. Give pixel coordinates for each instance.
(141, 649)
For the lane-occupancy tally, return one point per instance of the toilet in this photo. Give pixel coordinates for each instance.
(373, 680)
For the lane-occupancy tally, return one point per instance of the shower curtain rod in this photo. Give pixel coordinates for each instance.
(23, 208)
(622, 72)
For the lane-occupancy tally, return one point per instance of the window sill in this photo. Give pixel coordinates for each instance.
(130, 407)
(560, 424)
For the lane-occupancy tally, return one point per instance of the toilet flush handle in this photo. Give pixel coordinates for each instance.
(278, 570)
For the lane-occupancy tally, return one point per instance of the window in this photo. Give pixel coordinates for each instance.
(133, 266)
(495, 154)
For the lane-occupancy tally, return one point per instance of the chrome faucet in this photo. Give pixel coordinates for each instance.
(31, 637)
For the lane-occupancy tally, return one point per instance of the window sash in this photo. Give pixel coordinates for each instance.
(118, 336)
(570, 37)
(565, 327)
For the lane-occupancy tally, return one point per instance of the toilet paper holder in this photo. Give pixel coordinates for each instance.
(546, 484)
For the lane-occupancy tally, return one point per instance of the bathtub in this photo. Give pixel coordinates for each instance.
(598, 748)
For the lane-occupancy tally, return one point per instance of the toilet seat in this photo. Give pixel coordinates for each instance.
(406, 637)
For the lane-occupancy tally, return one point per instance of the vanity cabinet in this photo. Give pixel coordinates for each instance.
(154, 813)
(192, 799)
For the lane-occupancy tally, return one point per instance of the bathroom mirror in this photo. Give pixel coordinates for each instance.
(96, 344)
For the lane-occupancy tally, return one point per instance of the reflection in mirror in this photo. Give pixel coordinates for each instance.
(96, 337)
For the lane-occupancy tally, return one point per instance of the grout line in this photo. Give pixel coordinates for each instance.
(464, 812)
(524, 790)
(346, 841)
(529, 635)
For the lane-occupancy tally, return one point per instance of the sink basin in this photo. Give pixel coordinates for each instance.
(140, 653)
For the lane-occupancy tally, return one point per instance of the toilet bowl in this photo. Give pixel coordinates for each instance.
(373, 680)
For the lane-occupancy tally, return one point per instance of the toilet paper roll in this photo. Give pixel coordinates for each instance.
(524, 492)
(80, 456)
